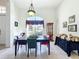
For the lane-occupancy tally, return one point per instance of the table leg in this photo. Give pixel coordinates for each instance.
(15, 49)
(48, 48)
(78, 52)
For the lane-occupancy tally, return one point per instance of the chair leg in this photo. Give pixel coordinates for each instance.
(28, 53)
(36, 52)
(18, 46)
(40, 47)
(26, 47)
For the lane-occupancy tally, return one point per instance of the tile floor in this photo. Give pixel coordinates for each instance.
(56, 53)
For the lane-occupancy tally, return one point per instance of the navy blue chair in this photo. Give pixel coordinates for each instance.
(21, 42)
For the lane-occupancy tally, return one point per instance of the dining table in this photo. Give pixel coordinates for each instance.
(24, 42)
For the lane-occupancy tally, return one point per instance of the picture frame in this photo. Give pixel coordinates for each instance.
(64, 24)
(16, 24)
(72, 28)
(72, 19)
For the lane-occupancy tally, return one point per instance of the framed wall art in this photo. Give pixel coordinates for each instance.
(16, 24)
(72, 28)
(64, 24)
(72, 19)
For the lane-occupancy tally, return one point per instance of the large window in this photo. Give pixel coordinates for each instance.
(2, 10)
(35, 27)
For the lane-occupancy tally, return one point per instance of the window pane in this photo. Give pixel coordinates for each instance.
(2, 9)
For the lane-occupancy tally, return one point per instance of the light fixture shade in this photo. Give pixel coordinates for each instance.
(31, 10)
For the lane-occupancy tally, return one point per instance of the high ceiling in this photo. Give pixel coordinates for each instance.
(37, 3)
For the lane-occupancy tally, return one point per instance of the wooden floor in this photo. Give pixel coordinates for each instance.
(56, 53)
(2, 46)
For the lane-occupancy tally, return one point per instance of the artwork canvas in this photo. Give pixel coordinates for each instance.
(16, 24)
(72, 19)
(64, 24)
(72, 28)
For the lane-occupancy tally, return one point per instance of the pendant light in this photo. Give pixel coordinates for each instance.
(31, 11)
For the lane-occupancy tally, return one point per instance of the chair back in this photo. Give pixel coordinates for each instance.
(31, 42)
(16, 38)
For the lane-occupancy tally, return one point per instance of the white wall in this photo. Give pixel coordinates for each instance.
(2, 28)
(13, 18)
(8, 30)
(8, 25)
(5, 25)
(67, 9)
(48, 14)
(21, 17)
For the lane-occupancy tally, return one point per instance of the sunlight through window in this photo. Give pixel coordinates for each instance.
(2, 10)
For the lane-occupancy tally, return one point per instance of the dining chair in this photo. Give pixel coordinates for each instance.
(22, 41)
(45, 43)
(32, 44)
(16, 38)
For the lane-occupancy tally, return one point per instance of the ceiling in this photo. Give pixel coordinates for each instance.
(37, 3)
